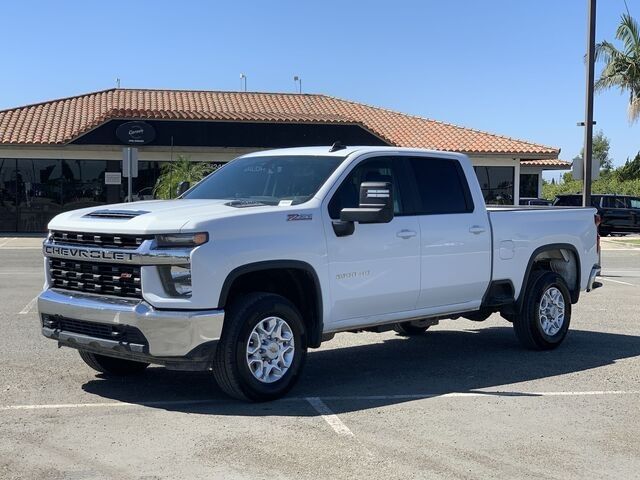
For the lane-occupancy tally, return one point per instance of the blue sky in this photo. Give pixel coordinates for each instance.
(512, 67)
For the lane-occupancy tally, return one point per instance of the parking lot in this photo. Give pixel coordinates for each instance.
(462, 401)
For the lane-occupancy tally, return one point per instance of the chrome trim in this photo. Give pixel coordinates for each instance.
(145, 254)
(595, 271)
(170, 333)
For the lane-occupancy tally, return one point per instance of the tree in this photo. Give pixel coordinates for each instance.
(622, 67)
(182, 170)
(630, 170)
(600, 153)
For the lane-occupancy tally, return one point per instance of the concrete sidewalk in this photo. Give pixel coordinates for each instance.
(10, 243)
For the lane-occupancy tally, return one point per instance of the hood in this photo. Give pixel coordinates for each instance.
(155, 216)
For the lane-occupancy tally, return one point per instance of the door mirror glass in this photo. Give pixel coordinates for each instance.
(182, 187)
(375, 205)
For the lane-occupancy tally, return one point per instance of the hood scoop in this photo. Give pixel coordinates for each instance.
(119, 214)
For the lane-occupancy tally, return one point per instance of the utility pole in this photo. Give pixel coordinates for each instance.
(298, 81)
(243, 82)
(588, 124)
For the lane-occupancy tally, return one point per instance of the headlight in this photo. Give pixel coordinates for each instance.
(176, 280)
(181, 240)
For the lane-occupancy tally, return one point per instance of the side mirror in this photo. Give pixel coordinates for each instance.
(182, 187)
(376, 204)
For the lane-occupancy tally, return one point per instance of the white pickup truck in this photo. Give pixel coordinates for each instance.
(279, 250)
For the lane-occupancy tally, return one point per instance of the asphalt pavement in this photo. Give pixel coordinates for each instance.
(463, 401)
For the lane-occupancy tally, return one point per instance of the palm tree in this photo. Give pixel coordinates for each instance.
(622, 67)
(182, 170)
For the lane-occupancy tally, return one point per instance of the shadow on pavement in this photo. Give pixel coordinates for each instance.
(437, 363)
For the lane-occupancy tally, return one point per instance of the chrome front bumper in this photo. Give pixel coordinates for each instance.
(169, 333)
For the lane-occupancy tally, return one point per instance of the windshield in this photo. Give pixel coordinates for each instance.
(267, 180)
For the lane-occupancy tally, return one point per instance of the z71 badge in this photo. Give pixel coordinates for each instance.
(292, 217)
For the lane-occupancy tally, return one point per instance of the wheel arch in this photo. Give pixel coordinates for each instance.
(295, 277)
(546, 253)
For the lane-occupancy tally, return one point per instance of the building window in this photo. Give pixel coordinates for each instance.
(496, 184)
(529, 185)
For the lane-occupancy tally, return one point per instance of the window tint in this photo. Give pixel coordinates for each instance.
(379, 169)
(442, 187)
(615, 202)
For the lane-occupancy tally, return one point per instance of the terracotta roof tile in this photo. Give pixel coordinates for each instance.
(61, 121)
(548, 163)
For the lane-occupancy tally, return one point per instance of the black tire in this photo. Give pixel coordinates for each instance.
(230, 367)
(111, 365)
(528, 324)
(410, 329)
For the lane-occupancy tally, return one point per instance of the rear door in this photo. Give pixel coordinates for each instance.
(616, 213)
(455, 235)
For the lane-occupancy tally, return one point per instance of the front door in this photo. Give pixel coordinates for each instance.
(375, 270)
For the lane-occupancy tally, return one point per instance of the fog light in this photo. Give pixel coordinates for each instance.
(177, 280)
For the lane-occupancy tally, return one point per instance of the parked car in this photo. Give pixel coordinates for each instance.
(618, 213)
(279, 250)
(538, 202)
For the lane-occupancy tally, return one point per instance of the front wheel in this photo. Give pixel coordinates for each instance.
(544, 319)
(262, 349)
(112, 365)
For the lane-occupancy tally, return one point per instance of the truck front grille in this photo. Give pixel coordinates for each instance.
(121, 333)
(103, 278)
(104, 240)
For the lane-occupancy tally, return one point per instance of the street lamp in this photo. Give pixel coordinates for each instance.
(298, 80)
(588, 124)
(243, 80)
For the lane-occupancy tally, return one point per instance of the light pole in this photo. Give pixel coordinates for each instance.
(298, 80)
(588, 124)
(243, 80)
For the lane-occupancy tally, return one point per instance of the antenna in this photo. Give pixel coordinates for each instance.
(337, 146)
(118, 82)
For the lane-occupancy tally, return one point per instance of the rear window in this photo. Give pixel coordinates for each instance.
(568, 201)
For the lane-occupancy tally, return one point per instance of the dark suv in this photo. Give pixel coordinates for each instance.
(618, 213)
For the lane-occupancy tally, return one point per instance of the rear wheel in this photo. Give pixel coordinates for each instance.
(262, 349)
(111, 365)
(546, 312)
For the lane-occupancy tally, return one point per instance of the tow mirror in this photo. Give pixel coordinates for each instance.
(182, 187)
(376, 204)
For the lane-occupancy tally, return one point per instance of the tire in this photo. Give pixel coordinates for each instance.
(411, 329)
(243, 375)
(111, 365)
(535, 330)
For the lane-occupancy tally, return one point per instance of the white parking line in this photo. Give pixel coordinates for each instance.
(318, 404)
(29, 306)
(617, 281)
(6, 240)
(329, 417)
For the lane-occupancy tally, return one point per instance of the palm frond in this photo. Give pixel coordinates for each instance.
(629, 33)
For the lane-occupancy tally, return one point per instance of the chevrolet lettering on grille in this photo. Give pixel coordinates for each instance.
(86, 254)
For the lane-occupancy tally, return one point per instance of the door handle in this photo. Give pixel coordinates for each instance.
(477, 229)
(406, 234)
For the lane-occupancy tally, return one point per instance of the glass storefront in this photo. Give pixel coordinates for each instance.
(33, 191)
(496, 184)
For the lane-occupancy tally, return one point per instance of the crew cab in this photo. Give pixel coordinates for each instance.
(279, 250)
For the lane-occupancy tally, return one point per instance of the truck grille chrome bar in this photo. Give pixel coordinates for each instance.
(107, 279)
(103, 240)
